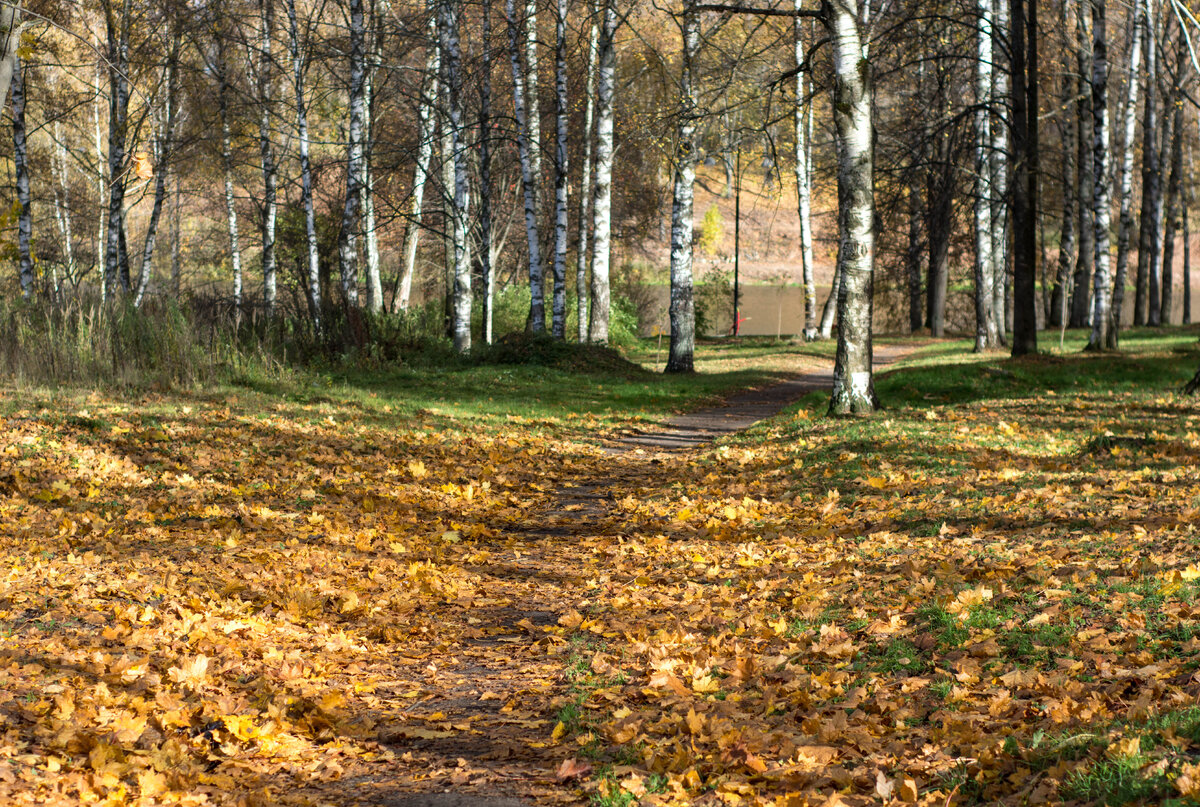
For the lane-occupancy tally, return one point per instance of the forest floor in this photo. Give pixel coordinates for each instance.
(462, 588)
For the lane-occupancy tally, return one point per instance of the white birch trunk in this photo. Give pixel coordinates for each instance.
(561, 113)
(21, 164)
(116, 267)
(1001, 278)
(1056, 315)
(166, 143)
(348, 241)
(267, 160)
(231, 217)
(853, 379)
(529, 179)
(1125, 176)
(306, 195)
(585, 192)
(426, 133)
(804, 181)
(1081, 293)
(176, 240)
(986, 333)
(602, 200)
(101, 186)
(682, 309)
(533, 114)
(367, 189)
(62, 203)
(10, 40)
(448, 16)
(1102, 202)
(485, 174)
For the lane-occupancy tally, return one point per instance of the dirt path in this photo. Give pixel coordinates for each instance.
(480, 733)
(744, 409)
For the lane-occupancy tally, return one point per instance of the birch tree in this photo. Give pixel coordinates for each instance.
(582, 295)
(485, 174)
(1059, 300)
(116, 25)
(533, 115)
(602, 195)
(1081, 294)
(426, 104)
(529, 179)
(164, 148)
(60, 171)
(1102, 201)
(1125, 176)
(1001, 277)
(348, 239)
(10, 40)
(267, 160)
(378, 9)
(231, 216)
(682, 308)
(853, 378)
(561, 114)
(448, 25)
(986, 334)
(1147, 259)
(802, 118)
(21, 165)
(313, 263)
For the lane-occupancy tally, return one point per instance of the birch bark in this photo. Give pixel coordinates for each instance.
(485, 175)
(313, 280)
(267, 159)
(561, 113)
(348, 240)
(1059, 299)
(529, 179)
(231, 217)
(448, 23)
(1102, 202)
(21, 164)
(425, 138)
(804, 180)
(1148, 225)
(853, 379)
(602, 200)
(116, 269)
(682, 308)
(585, 190)
(1125, 180)
(986, 334)
(165, 146)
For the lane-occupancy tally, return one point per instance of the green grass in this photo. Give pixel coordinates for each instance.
(575, 390)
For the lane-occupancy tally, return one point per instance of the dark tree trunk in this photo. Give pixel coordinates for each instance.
(1023, 40)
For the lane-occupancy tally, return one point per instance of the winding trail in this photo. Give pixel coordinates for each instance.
(480, 733)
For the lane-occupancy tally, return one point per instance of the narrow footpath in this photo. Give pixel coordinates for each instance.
(481, 732)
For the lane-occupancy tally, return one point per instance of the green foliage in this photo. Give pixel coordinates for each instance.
(714, 301)
(712, 229)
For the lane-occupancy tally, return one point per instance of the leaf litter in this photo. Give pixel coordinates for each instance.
(949, 605)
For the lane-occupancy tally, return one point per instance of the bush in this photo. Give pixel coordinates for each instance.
(712, 230)
(714, 302)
